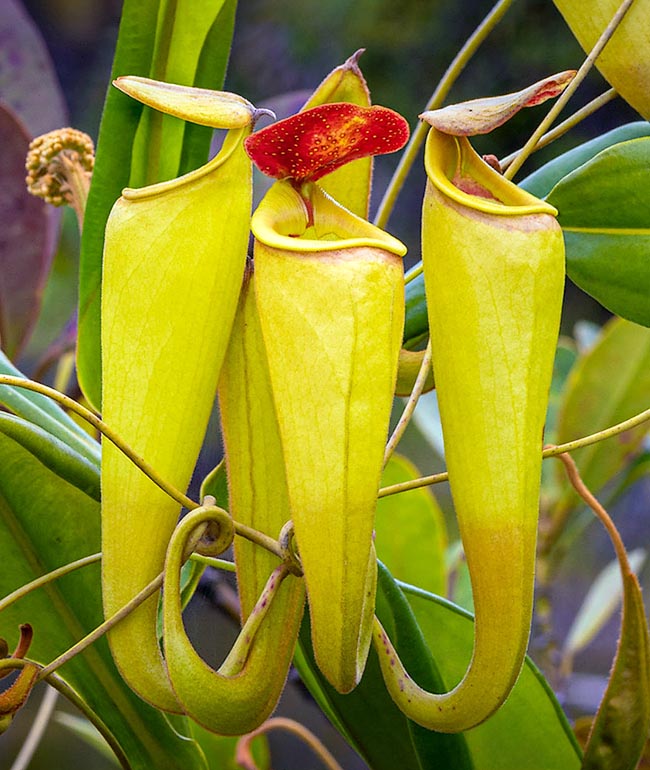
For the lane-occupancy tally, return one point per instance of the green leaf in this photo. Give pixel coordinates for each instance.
(416, 323)
(185, 42)
(603, 209)
(367, 717)
(216, 484)
(542, 181)
(410, 532)
(609, 384)
(46, 522)
(87, 732)
(530, 731)
(53, 453)
(620, 729)
(42, 411)
(565, 358)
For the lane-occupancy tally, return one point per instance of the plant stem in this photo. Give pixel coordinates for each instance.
(581, 488)
(555, 110)
(413, 273)
(448, 79)
(98, 632)
(19, 593)
(69, 403)
(566, 125)
(39, 582)
(244, 756)
(552, 451)
(412, 402)
(73, 696)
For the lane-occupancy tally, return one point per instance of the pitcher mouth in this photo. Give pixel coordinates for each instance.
(460, 174)
(283, 220)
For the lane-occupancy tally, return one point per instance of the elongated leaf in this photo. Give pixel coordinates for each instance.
(184, 42)
(539, 183)
(530, 731)
(603, 209)
(45, 522)
(53, 453)
(367, 717)
(28, 82)
(542, 181)
(480, 116)
(410, 532)
(27, 238)
(42, 411)
(416, 324)
(620, 730)
(594, 400)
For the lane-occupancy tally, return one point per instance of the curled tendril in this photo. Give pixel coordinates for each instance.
(289, 550)
(214, 530)
(14, 697)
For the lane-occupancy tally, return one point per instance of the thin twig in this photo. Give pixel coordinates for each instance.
(418, 387)
(570, 446)
(98, 632)
(244, 757)
(73, 696)
(565, 126)
(581, 488)
(69, 403)
(555, 110)
(38, 582)
(448, 79)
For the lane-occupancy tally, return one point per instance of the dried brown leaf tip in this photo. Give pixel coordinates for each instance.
(480, 116)
(17, 693)
(313, 143)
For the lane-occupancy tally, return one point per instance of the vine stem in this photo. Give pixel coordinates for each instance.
(244, 757)
(412, 402)
(605, 519)
(458, 64)
(555, 110)
(19, 593)
(259, 538)
(98, 632)
(552, 451)
(42, 580)
(73, 696)
(566, 125)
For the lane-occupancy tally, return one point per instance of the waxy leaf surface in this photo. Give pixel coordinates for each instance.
(625, 60)
(186, 42)
(594, 400)
(603, 209)
(45, 530)
(410, 532)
